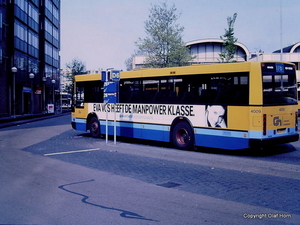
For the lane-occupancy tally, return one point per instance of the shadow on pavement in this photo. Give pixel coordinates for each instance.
(259, 152)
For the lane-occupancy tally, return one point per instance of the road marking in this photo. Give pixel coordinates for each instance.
(70, 152)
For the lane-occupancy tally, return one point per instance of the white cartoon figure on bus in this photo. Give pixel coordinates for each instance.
(215, 116)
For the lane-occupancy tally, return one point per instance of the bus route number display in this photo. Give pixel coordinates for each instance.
(115, 75)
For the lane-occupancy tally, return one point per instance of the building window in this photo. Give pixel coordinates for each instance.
(48, 30)
(1, 25)
(33, 39)
(33, 65)
(36, 2)
(55, 33)
(33, 44)
(21, 37)
(49, 53)
(49, 6)
(48, 50)
(33, 13)
(22, 4)
(0, 55)
(0, 19)
(20, 61)
(20, 31)
(56, 13)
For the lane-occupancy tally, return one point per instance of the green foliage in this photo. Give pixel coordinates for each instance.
(76, 67)
(163, 44)
(128, 63)
(229, 42)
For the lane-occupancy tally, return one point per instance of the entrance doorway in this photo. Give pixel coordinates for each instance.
(26, 103)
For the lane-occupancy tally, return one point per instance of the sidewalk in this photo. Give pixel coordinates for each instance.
(21, 119)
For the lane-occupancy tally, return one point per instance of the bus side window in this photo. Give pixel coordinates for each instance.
(241, 97)
(188, 97)
(135, 97)
(147, 96)
(93, 91)
(208, 95)
(172, 97)
(159, 97)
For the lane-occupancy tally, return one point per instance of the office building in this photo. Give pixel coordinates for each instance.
(29, 56)
(204, 51)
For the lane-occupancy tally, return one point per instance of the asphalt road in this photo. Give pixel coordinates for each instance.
(51, 174)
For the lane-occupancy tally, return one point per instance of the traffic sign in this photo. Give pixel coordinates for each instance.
(115, 75)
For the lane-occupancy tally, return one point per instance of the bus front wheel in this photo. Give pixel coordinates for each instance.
(183, 136)
(95, 127)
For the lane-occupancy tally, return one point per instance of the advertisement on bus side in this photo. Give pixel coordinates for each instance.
(199, 115)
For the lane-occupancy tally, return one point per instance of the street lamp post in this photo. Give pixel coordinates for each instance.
(53, 97)
(44, 93)
(14, 70)
(31, 76)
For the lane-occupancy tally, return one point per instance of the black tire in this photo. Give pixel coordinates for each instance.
(183, 136)
(94, 127)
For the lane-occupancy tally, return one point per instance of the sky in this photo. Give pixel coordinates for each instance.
(102, 33)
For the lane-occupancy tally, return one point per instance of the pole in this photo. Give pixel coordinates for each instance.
(281, 30)
(60, 94)
(31, 76)
(44, 95)
(32, 108)
(14, 94)
(53, 93)
(53, 96)
(115, 124)
(106, 127)
(14, 70)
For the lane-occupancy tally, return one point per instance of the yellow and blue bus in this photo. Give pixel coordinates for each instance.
(227, 106)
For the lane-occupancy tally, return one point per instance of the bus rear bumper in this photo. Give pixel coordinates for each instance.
(78, 124)
(261, 143)
(73, 125)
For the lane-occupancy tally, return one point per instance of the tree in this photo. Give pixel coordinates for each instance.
(75, 67)
(128, 63)
(229, 41)
(163, 45)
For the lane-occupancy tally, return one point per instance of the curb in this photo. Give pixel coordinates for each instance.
(9, 122)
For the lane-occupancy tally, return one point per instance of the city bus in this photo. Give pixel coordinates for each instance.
(226, 106)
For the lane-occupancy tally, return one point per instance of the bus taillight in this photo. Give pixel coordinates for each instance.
(264, 124)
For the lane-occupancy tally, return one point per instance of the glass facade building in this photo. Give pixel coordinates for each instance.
(29, 56)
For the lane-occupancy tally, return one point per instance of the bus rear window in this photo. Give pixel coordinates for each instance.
(279, 89)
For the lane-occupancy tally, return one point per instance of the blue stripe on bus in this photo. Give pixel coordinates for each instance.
(136, 130)
(219, 138)
(214, 138)
(271, 134)
(231, 143)
(80, 124)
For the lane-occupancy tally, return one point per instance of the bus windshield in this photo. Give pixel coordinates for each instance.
(279, 84)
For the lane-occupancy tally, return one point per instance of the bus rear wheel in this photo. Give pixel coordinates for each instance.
(94, 127)
(183, 136)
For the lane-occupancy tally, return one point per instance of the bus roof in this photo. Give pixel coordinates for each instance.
(184, 70)
(188, 70)
(88, 77)
(195, 69)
